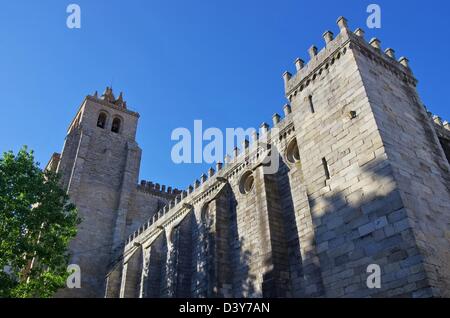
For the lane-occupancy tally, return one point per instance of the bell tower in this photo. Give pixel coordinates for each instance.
(99, 166)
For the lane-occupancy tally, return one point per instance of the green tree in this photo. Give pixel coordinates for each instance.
(37, 221)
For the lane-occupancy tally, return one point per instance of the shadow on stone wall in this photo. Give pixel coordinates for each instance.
(357, 229)
(155, 274)
(292, 231)
(242, 280)
(350, 231)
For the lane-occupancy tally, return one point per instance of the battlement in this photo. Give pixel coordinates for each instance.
(182, 203)
(442, 126)
(334, 49)
(158, 189)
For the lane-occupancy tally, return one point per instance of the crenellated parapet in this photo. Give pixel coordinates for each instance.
(172, 213)
(334, 49)
(167, 192)
(442, 126)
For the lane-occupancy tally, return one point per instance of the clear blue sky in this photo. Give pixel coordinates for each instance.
(177, 61)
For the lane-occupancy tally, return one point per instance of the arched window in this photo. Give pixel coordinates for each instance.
(101, 121)
(116, 125)
(292, 152)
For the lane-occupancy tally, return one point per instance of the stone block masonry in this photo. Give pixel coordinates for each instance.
(363, 179)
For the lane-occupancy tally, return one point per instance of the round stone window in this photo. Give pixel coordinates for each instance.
(247, 182)
(292, 152)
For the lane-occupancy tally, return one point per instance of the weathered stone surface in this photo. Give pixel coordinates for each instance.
(363, 179)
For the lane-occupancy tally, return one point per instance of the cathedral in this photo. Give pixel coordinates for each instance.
(362, 183)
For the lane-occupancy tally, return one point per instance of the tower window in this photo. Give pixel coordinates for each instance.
(115, 125)
(311, 104)
(101, 121)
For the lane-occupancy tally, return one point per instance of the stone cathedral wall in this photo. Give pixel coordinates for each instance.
(356, 173)
(363, 178)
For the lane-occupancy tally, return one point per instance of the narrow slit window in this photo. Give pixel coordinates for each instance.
(311, 104)
(326, 168)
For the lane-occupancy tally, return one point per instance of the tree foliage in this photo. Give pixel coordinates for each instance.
(37, 221)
